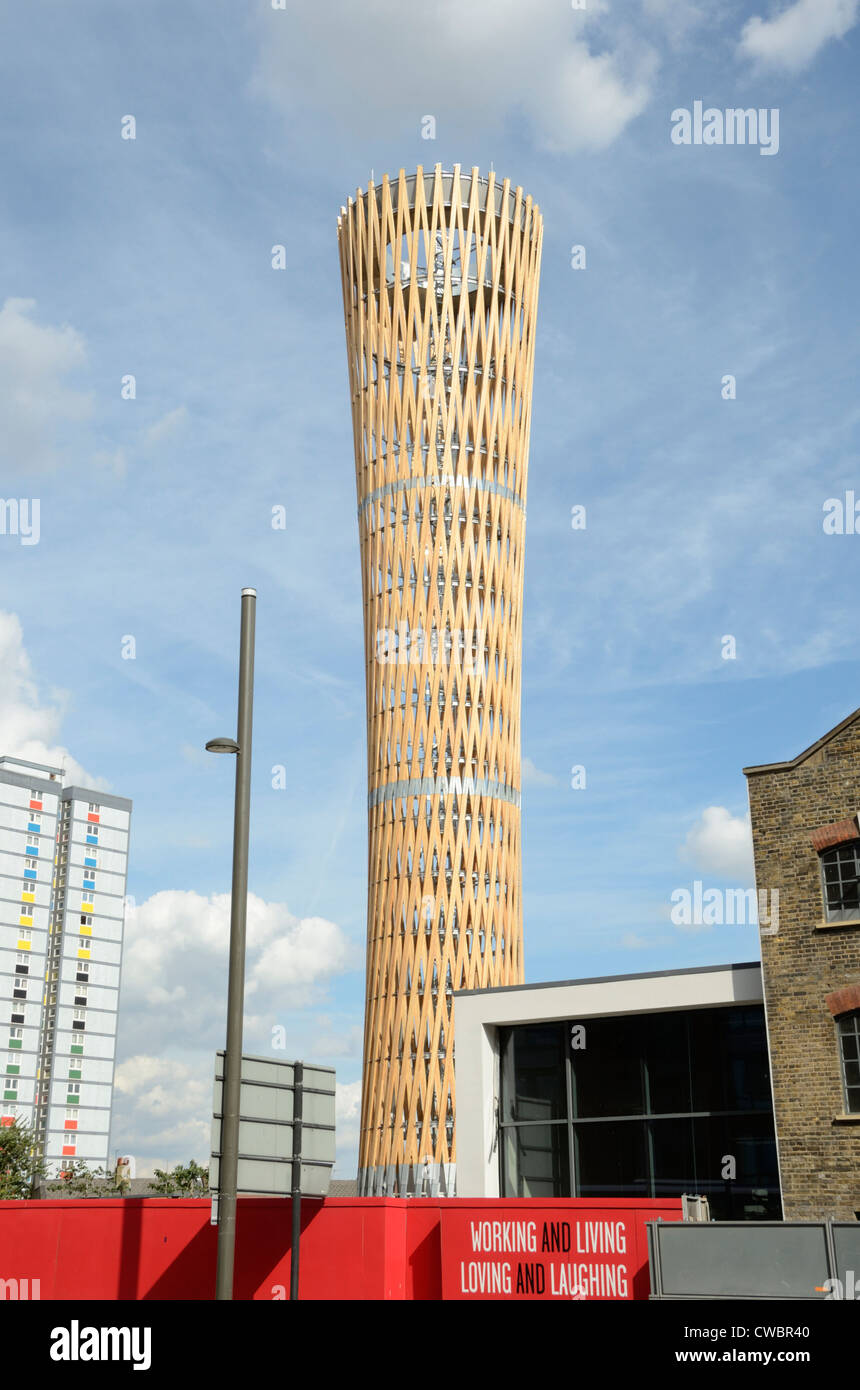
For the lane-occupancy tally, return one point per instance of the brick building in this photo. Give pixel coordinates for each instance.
(806, 839)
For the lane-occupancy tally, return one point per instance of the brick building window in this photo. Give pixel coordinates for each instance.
(848, 1029)
(840, 877)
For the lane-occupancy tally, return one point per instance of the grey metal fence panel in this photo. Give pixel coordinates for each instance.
(745, 1259)
(846, 1249)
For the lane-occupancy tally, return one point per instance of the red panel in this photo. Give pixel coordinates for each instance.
(35, 805)
(352, 1248)
(91, 816)
(71, 1124)
(527, 1249)
(69, 1150)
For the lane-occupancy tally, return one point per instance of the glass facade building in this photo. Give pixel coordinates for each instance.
(649, 1105)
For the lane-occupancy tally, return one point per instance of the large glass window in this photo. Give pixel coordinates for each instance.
(536, 1161)
(535, 1085)
(649, 1105)
(611, 1160)
(728, 1059)
(608, 1076)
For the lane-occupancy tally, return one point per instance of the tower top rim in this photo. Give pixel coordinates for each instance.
(426, 180)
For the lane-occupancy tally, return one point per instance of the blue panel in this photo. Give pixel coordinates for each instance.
(90, 860)
(29, 873)
(92, 839)
(33, 825)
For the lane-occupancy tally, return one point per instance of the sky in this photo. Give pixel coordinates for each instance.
(168, 382)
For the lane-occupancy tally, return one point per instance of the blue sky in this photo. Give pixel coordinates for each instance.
(153, 257)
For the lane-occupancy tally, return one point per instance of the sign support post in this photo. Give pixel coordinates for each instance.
(296, 1192)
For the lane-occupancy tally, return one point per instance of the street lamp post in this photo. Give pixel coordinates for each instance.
(231, 1091)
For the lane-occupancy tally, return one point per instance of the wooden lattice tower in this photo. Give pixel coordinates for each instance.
(440, 282)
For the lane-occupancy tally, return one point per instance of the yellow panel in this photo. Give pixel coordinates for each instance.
(24, 945)
(28, 897)
(25, 921)
(83, 955)
(85, 931)
(87, 907)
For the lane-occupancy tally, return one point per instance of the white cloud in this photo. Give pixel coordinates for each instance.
(347, 1105)
(533, 777)
(29, 724)
(794, 37)
(168, 425)
(475, 62)
(35, 397)
(163, 1086)
(173, 1010)
(169, 937)
(678, 18)
(720, 843)
(347, 1110)
(309, 951)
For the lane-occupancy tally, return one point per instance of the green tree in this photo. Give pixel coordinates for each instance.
(80, 1179)
(190, 1181)
(20, 1164)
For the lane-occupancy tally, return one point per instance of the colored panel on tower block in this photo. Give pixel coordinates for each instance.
(69, 1150)
(93, 818)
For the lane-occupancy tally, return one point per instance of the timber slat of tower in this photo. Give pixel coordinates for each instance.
(440, 281)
